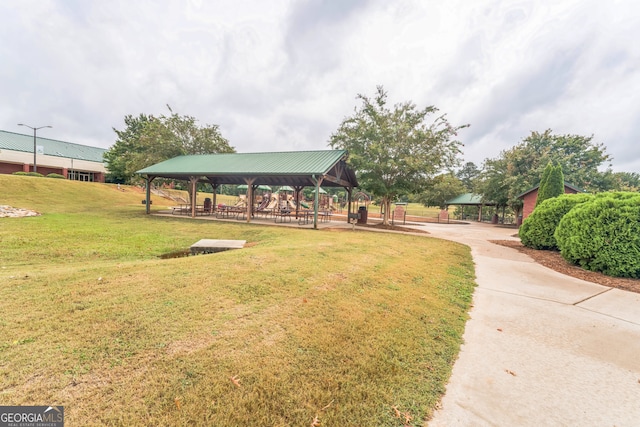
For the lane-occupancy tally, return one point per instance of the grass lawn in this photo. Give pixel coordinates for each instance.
(349, 328)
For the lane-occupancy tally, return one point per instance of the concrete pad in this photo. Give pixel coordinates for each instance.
(540, 348)
(616, 303)
(529, 279)
(205, 246)
(528, 362)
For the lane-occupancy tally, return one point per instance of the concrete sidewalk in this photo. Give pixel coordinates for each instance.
(541, 348)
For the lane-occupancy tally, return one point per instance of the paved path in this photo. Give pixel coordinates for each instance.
(541, 348)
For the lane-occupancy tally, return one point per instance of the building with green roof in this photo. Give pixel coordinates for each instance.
(296, 169)
(73, 161)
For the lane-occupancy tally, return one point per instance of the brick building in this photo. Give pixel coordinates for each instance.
(74, 161)
(529, 198)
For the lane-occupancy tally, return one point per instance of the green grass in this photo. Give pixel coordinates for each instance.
(340, 325)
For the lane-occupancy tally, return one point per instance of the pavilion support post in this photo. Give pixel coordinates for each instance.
(349, 191)
(249, 182)
(193, 183)
(214, 193)
(297, 190)
(316, 201)
(479, 213)
(148, 195)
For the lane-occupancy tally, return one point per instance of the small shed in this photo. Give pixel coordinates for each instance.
(530, 196)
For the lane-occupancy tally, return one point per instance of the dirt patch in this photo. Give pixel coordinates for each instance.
(554, 261)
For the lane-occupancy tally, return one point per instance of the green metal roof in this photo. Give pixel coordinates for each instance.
(293, 168)
(21, 142)
(468, 199)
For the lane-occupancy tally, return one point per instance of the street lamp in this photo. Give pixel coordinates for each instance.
(35, 166)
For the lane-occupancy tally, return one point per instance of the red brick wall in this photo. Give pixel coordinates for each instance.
(10, 168)
(529, 201)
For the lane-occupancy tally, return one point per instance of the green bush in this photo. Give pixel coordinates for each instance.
(56, 175)
(603, 234)
(538, 229)
(28, 173)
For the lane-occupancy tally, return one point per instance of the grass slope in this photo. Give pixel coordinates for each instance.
(351, 328)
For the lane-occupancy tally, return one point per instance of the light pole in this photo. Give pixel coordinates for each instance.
(35, 166)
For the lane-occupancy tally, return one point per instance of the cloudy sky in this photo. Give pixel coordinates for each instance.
(281, 75)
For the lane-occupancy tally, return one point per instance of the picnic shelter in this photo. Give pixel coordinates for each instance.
(297, 169)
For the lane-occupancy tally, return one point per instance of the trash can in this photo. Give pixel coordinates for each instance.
(494, 220)
(362, 212)
(207, 205)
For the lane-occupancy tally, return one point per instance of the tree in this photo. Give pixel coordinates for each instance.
(626, 181)
(440, 189)
(555, 184)
(394, 151)
(147, 140)
(544, 181)
(496, 183)
(468, 175)
(119, 156)
(520, 167)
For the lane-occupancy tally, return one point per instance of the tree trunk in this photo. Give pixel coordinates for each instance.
(386, 205)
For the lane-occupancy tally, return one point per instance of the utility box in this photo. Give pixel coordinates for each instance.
(362, 215)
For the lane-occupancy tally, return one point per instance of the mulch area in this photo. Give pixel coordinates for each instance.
(554, 261)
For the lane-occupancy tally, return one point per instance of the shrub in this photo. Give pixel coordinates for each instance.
(28, 173)
(603, 234)
(538, 229)
(56, 175)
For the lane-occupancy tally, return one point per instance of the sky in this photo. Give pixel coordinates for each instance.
(281, 75)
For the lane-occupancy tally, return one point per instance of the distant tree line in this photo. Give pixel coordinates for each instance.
(399, 152)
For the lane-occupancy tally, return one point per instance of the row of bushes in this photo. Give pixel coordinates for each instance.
(51, 175)
(597, 232)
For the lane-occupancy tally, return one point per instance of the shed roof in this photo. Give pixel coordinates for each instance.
(468, 199)
(52, 147)
(566, 184)
(294, 168)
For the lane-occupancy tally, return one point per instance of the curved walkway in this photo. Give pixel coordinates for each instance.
(540, 348)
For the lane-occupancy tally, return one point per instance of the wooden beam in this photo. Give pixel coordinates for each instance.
(148, 195)
(316, 201)
(249, 182)
(193, 183)
(335, 180)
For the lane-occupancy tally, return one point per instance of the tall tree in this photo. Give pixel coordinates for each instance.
(551, 184)
(555, 185)
(394, 151)
(544, 182)
(147, 140)
(468, 174)
(520, 167)
(440, 189)
(119, 156)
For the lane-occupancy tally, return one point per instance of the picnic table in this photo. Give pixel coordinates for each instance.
(283, 214)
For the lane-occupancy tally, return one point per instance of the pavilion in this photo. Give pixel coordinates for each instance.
(469, 199)
(297, 169)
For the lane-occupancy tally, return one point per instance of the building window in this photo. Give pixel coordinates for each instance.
(81, 176)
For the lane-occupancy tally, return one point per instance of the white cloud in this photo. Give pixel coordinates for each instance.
(282, 74)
